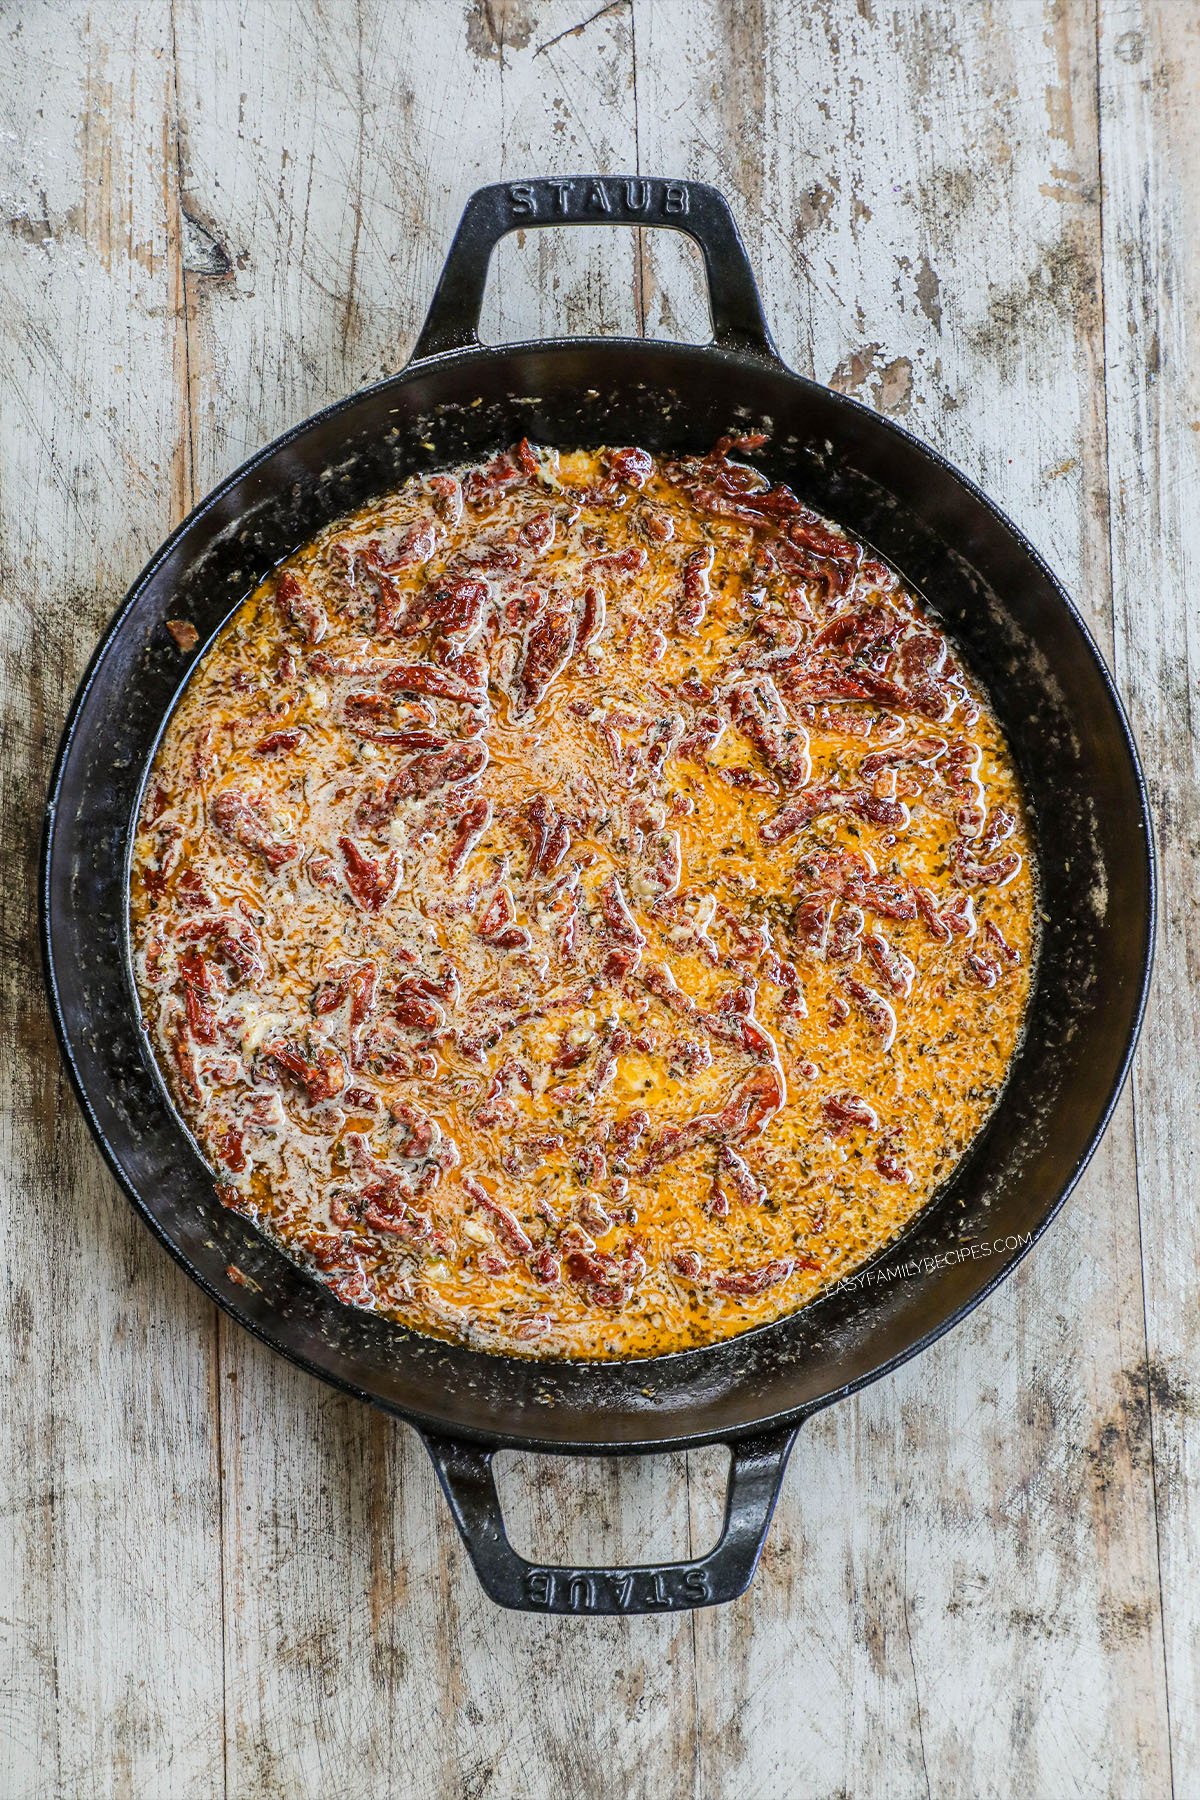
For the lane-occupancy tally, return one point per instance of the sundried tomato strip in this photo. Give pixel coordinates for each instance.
(371, 880)
(244, 819)
(830, 799)
(278, 743)
(507, 1223)
(198, 990)
(318, 1070)
(695, 591)
(975, 874)
(549, 837)
(756, 1100)
(469, 827)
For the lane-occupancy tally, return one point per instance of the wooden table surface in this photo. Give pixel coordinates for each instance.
(216, 1576)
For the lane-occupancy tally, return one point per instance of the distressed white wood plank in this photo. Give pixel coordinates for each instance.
(363, 1658)
(110, 1593)
(1150, 134)
(960, 1591)
(329, 172)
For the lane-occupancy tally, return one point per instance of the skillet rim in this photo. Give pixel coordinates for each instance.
(760, 362)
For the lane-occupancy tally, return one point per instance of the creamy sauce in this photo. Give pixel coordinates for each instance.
(581, 906)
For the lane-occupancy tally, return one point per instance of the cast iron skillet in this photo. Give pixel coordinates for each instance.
(457, 400)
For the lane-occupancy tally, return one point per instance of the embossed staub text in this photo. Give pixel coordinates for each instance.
(618, 1590)
(588, 197)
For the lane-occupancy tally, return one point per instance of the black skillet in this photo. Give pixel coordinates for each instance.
(455, 401)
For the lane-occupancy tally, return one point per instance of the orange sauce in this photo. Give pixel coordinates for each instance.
(582, 907)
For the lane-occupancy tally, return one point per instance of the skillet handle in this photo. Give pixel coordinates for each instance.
(696, 209)
(756, 1474)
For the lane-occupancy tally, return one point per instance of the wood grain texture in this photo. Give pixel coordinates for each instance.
(219, 1577)
(110, 1568)
(1149, 63)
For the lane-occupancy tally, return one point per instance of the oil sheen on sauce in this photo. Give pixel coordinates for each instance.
(581, 905)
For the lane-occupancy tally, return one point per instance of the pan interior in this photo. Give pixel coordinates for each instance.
(1051, 695)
